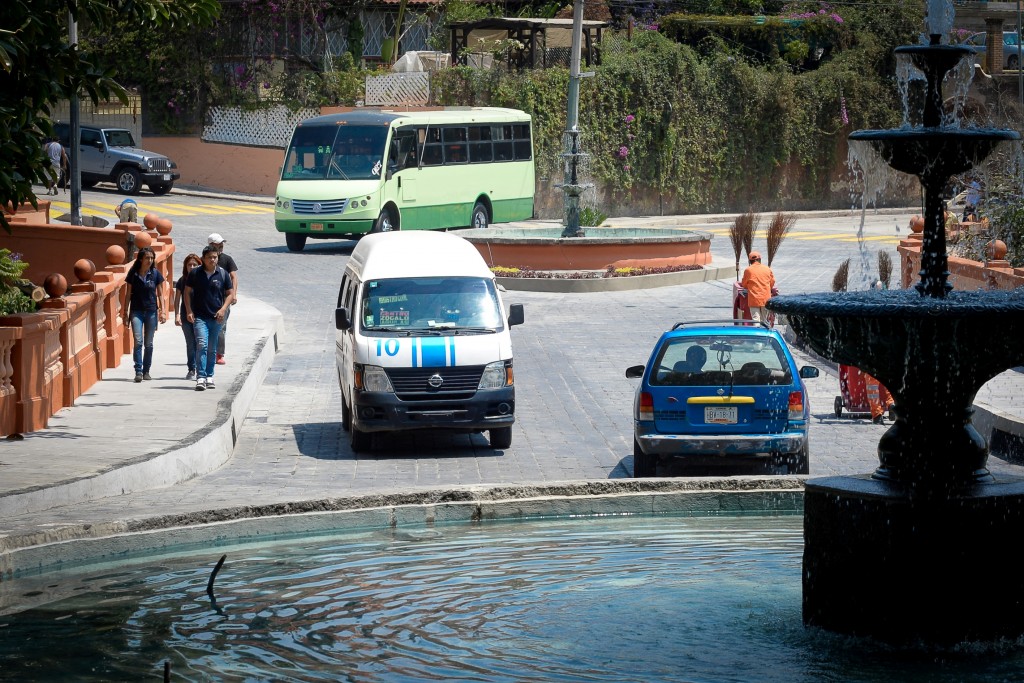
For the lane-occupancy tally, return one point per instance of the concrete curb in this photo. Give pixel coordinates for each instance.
(1004, 433)
(616, 284)
(201, 452)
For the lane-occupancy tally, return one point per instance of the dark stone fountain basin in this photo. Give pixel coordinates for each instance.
(934, 152)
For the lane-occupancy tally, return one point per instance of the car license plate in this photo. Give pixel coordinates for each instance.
(720, 416)
(167, 176)
(316, 226)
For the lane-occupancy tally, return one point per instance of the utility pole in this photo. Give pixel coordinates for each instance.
(571, 185)
(74, 135)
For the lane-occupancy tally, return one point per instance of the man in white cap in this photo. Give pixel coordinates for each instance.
(227, 263)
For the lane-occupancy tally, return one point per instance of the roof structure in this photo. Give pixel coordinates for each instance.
(530, 32)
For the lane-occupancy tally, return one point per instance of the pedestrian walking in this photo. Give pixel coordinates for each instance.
(880, 400)
(144, 308)
(58, 162)
(180, 318)
(971, 201)
(228, 264)
(759, 281)
(208, 296)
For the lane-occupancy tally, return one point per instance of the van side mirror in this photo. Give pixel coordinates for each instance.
(808, 371)
(515, 315)
(341, 319)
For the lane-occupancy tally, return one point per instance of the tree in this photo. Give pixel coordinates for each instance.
(38, 68)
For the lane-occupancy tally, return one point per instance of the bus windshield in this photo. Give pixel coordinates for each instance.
(335, 152)
(421, 304)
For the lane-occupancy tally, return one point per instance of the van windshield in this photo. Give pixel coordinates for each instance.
(428, 304)
(335, 152)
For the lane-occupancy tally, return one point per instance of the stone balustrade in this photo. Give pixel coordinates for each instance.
(50, 357)
(964, 274)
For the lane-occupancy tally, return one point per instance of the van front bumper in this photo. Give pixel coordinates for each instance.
(385, 412)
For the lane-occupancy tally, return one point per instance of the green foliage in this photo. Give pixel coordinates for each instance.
(591, 217)
(458, 10)
(1007, 221)
(712, 130)
(38, 69)
(12, 300)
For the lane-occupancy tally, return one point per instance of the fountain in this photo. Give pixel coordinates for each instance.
(901, 554)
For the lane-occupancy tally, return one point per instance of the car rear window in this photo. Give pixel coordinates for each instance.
(713, 360)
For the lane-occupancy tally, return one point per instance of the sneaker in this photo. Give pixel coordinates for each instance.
(146, 376)
(138, 376)
(220, 360)
(201, 384)
(210, 384)
(191, 375)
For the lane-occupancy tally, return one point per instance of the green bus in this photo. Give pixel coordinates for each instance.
(372, 170)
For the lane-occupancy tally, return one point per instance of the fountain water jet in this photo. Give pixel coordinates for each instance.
(899, 554)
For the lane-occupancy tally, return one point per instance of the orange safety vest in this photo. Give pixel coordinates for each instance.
(758, 280)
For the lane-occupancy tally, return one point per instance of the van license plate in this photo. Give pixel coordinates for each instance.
(167, 176)
(316, 226)
(720, 416)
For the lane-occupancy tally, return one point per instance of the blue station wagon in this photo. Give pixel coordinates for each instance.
(718, 392)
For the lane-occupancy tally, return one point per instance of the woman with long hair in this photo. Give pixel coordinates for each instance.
(144, 307)
(180, 319)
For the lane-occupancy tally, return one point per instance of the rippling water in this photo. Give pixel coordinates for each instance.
(609, 599)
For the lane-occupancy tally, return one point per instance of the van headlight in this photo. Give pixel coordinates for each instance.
(496, 375)
(372, 378)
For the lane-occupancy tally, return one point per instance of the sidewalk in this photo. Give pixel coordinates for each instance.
(121, 436)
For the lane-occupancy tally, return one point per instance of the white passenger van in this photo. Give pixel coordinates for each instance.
(422, 339)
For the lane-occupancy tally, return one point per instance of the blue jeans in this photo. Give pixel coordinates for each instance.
(207, 331)
(189, 330)
(143, 328)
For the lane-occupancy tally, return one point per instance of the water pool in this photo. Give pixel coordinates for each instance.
(608, 599)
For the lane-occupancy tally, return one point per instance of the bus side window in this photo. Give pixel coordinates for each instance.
(432, 155)
(523, 148)
(480, 150)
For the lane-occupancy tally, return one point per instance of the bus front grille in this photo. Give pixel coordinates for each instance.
(313, 208)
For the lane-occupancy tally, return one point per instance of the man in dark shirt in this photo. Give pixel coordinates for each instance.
(228, 264)
(208, 296)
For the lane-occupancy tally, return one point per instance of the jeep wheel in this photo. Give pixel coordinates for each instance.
(128, 181)
(161, 188)
(295, 241)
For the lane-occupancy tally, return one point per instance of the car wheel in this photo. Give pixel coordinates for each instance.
(643, 465)
(359, 440)
(295, 241)
(128, 181)
(501, 437)
(346, 415)
(839, 406)
(86, 184)
(480, 220)
(385, 222)
(160, 189)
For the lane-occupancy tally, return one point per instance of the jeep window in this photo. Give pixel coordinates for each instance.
(90, 137)
(119, 138)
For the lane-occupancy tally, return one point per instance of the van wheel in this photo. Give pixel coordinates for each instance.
(346, 415)
(360, 441)
(295, 241)
(480, 220)
(385, 222)
(501, 437)
(128, 180)
(644, 465)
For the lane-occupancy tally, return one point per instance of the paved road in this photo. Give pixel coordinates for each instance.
(573, 402)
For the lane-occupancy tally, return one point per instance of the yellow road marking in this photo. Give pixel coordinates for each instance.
(240, 209)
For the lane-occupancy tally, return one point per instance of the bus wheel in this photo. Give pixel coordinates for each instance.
(295, 241)
(480, 220)
(384, 222)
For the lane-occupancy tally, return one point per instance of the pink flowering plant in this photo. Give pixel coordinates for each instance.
(623, 152)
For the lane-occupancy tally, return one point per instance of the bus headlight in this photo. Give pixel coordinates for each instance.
(286, 205)
(372, 378)
(496, 375)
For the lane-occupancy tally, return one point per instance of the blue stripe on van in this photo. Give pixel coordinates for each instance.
(415, 347)
(433, 352)
(451, 345)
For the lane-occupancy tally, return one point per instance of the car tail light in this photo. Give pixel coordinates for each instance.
(646, 408)
(796, 405)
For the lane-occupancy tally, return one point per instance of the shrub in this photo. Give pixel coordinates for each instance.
(12, 300)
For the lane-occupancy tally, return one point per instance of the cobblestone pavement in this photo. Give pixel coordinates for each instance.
(573, 400)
